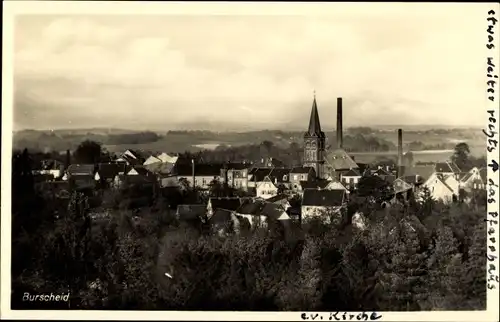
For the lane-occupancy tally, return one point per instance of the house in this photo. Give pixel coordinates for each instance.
(132, 157)
(280, 176)
(473, 180)
(299, 174)
(237, 175)
(81, 176)
(203, 173)
(123, 181)
(417, 175)
(224, 222)
(332, 184)
(350, 179)
(268, 188)
(256, 175)
(438, 189)
(106, 172)
(251, 209)
(280, 199)
(338, 162)
(261, 213)
(229, 203)
(191, 213)
(168, 181)
(323, 203)
(402, 188)
(51, 167)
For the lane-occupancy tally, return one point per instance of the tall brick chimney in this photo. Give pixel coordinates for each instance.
(400, 153)
(192, 173)
(339, 123)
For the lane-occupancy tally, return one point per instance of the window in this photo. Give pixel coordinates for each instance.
(284, 177)
(295, 177)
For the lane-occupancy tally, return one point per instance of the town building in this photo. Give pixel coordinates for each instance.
(314, 143)
(323, 203)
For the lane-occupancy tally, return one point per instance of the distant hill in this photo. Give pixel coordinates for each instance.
(116, 140)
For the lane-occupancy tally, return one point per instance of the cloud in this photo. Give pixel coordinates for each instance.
(145, 70)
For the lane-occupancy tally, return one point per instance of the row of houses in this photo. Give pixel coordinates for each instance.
(233, 213)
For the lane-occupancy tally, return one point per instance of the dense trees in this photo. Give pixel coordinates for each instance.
(90, 152)
(427, 256)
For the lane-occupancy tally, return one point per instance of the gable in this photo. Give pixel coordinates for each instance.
(133, 172)
(335, 185)
(401, 186)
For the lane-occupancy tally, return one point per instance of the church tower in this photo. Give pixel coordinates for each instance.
(314, 143)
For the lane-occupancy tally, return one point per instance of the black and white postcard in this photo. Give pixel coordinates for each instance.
(250, 161)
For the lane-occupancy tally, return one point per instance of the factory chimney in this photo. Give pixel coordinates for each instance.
(339, 123)
(400, 153)
(192, 173)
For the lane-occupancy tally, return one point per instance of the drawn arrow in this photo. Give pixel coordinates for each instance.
(493, 165)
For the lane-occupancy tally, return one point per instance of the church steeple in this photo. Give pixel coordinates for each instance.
(314, 142)
(314, 125)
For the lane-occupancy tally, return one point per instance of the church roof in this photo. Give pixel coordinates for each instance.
(339, 160)
(314, 125)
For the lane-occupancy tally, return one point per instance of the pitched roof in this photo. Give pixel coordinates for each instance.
(251, 206)
(280, 175)
(278, 197)
(455, 167)
(189, 212)
(142, 171)
(260, 173)
(483, 172)
(165, 157)
(421, 170)
(390, 178)
(321, 183)
(109, 170)
(301, 170)
(314, 125)
(325, 198)
(274, 211)
(464, 176)
(225, 203)
(81, 169)
(447, 167)
(401, 186)
(352, 173)
(381, 172)
(339, 160)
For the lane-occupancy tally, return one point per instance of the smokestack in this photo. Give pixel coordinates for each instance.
(400, 152)
(192, 173)
(339, 123)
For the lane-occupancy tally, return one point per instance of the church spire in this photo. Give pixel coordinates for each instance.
(314, 125)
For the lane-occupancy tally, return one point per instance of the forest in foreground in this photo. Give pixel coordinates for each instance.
(412, 256)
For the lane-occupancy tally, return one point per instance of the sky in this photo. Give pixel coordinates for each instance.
(391, 64)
